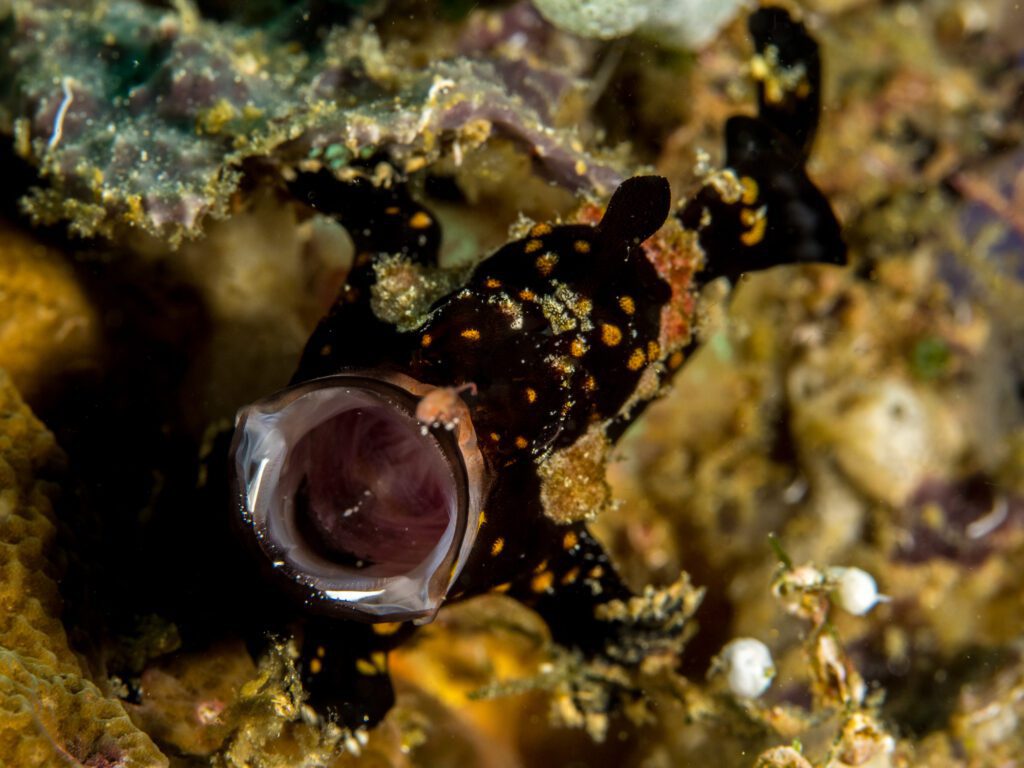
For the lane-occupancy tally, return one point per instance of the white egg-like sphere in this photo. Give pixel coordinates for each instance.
(748, 667)
(856, 591)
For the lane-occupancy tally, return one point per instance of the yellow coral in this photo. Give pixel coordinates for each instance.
(48, 326)
(49, 713)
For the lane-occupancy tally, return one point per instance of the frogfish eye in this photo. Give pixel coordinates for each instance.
(352, 503)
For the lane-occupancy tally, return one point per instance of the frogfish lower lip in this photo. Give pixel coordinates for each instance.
(352, 504)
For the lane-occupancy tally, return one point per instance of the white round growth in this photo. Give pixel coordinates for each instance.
(602, 19)
(690, 24)
(675, 23)
(856, 591)
(748, 667)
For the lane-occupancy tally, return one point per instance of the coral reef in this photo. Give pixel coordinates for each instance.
(835, 477)
(50, 712)
(49, 330)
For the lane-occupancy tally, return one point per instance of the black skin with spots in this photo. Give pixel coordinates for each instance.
(796, 114)
(798, 225)
(770, 150)
(571, 314)
(494, 333)
(539, 386)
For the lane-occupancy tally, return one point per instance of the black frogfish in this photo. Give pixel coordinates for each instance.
(407, 464)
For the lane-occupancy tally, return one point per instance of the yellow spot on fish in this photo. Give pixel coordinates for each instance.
(502, 588)
(497, 546)
(581, 246)
(481, 520)
(750, 190)
(627, 305)
(532, 246)
(675, 360)
(392, 210)
(420, 220)
(386, 628)
(321, 651)
(578, 347)
(611, 335)
(531, 395)
(546, 263)
(427, 340)
(471, 334)
(521, 442)
(755, 234)
(653, 350)
(542, 581)
(493, 282)
(315, 666)
(527, 295)
(571, 575)
(570, 540)
(636, 360)
(366, 668)
(539, 230)
(589, 384)
(596, 572)
(580, 167)
(582, 307)
(495, 436)
(379, 659)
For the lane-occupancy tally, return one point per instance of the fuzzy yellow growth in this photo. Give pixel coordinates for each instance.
(52, 714)
(573, 484)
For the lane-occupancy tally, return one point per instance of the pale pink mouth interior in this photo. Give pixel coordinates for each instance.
(370, 491)
(356, 505)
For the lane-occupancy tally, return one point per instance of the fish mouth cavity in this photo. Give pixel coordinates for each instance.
(351, 504)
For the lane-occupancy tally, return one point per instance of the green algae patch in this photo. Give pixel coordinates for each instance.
(930, 358)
